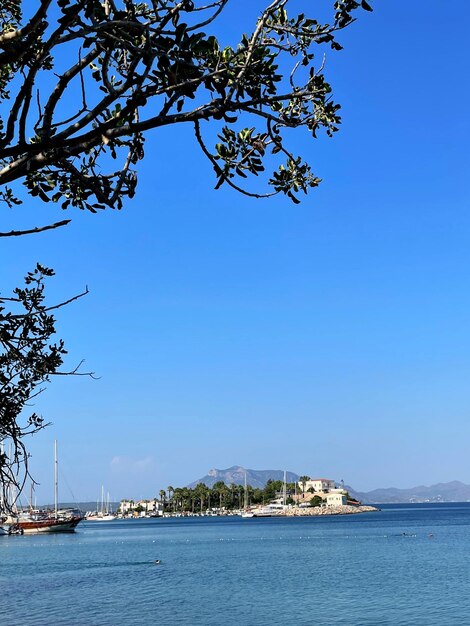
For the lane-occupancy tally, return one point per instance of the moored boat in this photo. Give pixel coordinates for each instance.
(96, 516)
(49, 521)
(55, 521)
(102, 515)
(269, 510)
(273, 509)
(246, 512)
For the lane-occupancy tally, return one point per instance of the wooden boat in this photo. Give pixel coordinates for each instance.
(56, 521)
(49, 522)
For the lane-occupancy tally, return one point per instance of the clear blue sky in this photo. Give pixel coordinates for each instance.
(330, 338)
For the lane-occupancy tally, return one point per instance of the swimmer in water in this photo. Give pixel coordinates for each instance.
(157, 561)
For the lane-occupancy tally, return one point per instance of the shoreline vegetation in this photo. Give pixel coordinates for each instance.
(307, 497)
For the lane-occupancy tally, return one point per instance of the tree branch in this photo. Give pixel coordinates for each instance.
(32, 231)
(11, 36)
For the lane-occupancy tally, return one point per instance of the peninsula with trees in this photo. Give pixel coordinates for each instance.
(300, 497)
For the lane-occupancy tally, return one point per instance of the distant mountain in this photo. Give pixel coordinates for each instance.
(454, 491)
(236, 475)
(81, 506)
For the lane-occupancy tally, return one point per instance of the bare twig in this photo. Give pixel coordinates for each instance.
(32, 231)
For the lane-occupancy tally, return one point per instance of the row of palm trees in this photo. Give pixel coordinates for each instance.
(220, 496)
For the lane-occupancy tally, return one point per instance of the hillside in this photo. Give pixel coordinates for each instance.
(236, 475)
(454, 491)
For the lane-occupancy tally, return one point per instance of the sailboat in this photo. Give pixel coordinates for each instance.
(3, 526)
(102, 515)
(246, 511)
(56, 521)
(272, 509)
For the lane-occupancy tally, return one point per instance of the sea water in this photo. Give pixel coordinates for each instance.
(402, 566)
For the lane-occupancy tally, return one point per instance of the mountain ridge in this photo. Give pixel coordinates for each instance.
(452, 491)
(236, 475)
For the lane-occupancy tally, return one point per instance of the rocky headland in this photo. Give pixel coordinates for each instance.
(343, 509)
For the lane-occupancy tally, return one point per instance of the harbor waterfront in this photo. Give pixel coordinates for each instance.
(403, 565)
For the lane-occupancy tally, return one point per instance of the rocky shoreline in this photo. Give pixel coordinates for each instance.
(343, 509)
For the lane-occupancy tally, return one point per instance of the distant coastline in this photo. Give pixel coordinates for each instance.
(452, 491)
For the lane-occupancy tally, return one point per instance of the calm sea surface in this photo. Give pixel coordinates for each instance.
(376, 568)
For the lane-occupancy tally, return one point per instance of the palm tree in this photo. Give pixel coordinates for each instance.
(303, 481)
(162, 498)
(223, 494)
(193, 499)
(177, 498)
(219, 489)
(186, 497)
(241, 495)
(201, 492)
(233, 489)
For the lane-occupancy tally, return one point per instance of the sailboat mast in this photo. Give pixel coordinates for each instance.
(284, 489)
(12, 493)
(56, 479)
(246, 493)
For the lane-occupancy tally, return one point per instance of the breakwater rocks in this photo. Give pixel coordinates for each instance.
(344, 509)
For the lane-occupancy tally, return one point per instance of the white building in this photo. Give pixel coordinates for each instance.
(335, 499)
(126, 506)
(141, 508)
(322, 485)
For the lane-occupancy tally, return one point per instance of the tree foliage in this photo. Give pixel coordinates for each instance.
(201, 497)
(28, 358)
(86, 79)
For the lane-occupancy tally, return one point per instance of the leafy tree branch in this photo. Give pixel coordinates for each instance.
(140, 66)
(28, 360)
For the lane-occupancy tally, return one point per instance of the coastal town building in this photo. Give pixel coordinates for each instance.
(126, 507)
(323, 485)
(336, 498)
(324, 488)
(141, 508)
